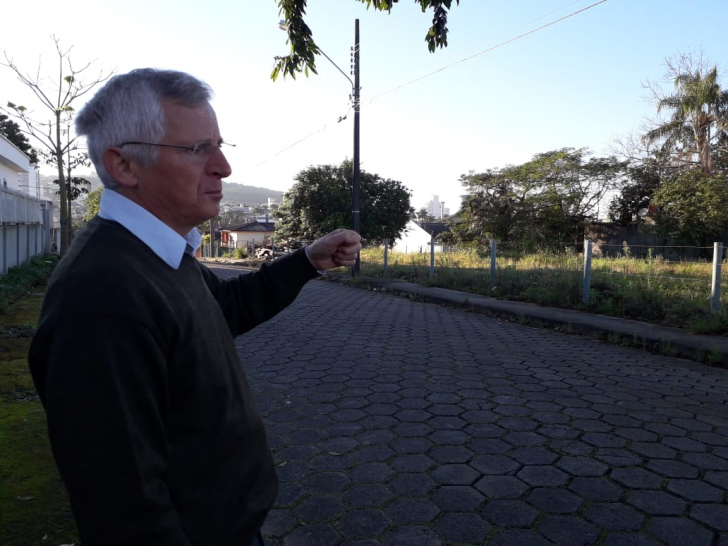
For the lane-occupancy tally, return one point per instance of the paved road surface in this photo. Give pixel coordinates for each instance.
(395, 422)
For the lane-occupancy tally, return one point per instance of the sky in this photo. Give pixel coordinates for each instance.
(502, 91)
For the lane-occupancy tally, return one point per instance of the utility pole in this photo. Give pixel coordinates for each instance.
(355, 183)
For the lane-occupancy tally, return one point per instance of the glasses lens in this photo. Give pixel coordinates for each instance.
(204, 149)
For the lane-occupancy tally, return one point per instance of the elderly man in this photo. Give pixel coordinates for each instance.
(151, 420)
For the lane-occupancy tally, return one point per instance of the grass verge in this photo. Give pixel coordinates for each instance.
(34, 508)
(646, 289)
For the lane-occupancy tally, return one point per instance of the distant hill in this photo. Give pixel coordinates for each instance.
(233, 193)
(249, 195)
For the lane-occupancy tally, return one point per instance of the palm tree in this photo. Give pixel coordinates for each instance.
(699, 117)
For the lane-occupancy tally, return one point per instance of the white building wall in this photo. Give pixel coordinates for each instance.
(415, 240)
(435, 208)
(13, 165)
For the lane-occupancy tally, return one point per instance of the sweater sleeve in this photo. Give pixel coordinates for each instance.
(105, 394)
(253, 298)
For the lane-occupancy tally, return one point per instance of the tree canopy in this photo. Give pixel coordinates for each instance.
(320, 201)
(55, 95)
(681, 175)
(302, 57)
(540, 204)
(698, 114)
(11, 130)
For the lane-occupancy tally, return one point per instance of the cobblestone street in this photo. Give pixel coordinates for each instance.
(396, 422)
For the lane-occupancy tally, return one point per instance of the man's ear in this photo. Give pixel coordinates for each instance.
(119, 167)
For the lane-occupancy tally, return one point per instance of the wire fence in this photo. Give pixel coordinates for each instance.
(611, 281)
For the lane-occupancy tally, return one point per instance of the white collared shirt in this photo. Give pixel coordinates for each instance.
(166, 243)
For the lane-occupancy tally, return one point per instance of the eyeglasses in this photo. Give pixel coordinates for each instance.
(199, 151)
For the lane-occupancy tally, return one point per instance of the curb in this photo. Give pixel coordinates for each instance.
(668, 341)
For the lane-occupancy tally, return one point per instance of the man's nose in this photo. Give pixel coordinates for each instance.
(218, 164)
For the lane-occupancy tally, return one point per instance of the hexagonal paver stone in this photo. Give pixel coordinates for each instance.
(534, 455)
(416, 485)
(449, 437)
(618, 457)
(412, 463)
(685, 444)
(569, 531)
(636, 478)
(706, 461)
(412, 415)
(412, 510)
(319, 508)
(330, 463)
(628, 539)
(525, 439)
(376, 437)
(495, 464)
(614, 516)
(367, 495)
(455, 474)
(312, 535)
(657, 503)
(292, 471)
(374, 453)
(582, 466)
(412, 445)
(654, 450)
(451, 454)
(712, 515)
(596, 489)
(543, 476)
(336, 446)
(673, 469)
(370, 473)
(326, 482)
(695, 490)
(412, 536)
(509, 513)
(278, 522)
(467, 528)
(412, 430)
(561, 433)
(518, 423)
(717, 478)
(554, 500)
(488, 446)
(501, 487)
(600, 439)
(454, 498)
(288, 493)
(511, 537)
(680, 531)
(363, 523)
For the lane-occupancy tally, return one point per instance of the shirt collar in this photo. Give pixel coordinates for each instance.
(162, 239)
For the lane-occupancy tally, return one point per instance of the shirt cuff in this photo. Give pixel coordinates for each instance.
(319, 271)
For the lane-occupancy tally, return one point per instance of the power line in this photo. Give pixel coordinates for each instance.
(341, 118)
(321, 130)
(497, 46)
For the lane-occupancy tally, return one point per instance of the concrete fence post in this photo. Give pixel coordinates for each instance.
(587, 270)
(432, 256)
(386, 255)
(715, 285)
(493, 248)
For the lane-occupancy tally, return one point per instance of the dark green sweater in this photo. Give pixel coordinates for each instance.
(151, 420)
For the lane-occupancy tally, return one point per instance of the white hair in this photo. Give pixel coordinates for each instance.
(129, 109)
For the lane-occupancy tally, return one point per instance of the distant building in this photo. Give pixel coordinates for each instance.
(436, 208)
(250, 234)
(417, 237)
(16, 170)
